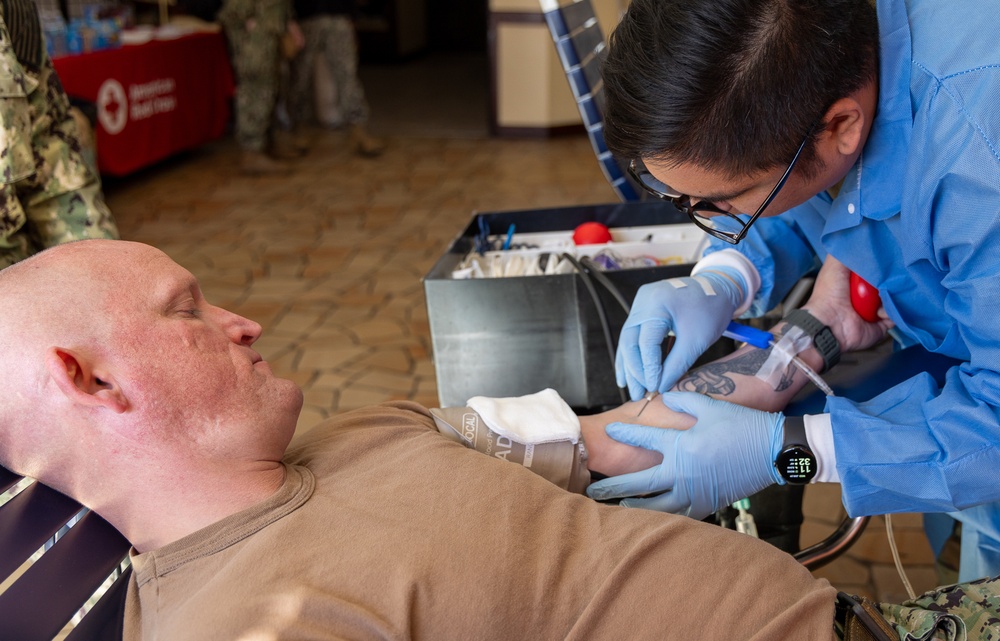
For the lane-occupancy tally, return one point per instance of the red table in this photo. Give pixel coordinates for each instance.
(153, 99)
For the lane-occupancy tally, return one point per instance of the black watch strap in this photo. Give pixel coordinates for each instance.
(796, 462)
(823, 339)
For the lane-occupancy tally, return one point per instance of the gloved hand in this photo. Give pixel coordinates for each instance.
(696, 308)
(727, 455)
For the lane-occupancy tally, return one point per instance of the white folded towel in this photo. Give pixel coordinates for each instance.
(543, 417)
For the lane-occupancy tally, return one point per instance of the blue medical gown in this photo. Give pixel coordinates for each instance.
(918, 216)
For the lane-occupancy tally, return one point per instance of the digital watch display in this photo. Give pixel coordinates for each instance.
(796, 463)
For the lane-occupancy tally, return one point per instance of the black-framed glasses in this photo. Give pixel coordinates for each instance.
(724, 225)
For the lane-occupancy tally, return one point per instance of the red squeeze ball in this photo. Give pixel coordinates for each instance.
(591, 234)
(864, 298)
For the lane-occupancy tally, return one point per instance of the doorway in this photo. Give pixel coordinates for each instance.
(442, 90)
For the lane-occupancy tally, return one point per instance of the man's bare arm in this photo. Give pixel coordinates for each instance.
(733, 378)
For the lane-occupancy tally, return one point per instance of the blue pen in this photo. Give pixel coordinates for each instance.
(510, 236)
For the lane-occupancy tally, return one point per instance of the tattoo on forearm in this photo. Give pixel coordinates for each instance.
(714, 378)
(707, 381)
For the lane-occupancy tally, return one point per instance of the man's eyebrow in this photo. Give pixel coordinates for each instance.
(178, 290)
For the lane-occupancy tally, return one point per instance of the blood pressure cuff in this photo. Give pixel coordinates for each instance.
(564, 463)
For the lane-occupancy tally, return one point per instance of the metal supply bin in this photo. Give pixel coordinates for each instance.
(517, 335)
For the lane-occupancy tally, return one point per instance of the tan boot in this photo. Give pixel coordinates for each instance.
(256, 163)
(288, 146)
(302, 140)
(364, 144)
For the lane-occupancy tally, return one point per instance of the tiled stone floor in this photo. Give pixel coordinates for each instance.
(329, 259)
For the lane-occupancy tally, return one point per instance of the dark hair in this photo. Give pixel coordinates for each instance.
(732, 85)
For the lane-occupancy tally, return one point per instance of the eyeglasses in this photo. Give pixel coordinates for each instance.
(724, 225)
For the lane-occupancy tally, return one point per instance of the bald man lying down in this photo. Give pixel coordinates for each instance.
(127, 390)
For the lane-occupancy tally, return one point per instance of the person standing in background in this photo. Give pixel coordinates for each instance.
(49, 194)
(328, 28)
(254, 29)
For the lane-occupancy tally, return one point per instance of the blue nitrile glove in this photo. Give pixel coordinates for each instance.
(727, 455)
(697, 310)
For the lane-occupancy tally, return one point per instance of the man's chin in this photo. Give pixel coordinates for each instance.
(288, 420)
(288, 397)
(295, 397)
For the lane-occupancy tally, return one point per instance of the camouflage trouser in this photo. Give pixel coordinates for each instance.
(331, 37)
(960, 612)
(256, 63)
(48, 194)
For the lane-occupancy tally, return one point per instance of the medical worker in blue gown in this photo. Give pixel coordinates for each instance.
(864, 138)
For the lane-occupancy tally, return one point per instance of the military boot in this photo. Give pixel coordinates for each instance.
(364, 144)
(287, 145)
(256, 163)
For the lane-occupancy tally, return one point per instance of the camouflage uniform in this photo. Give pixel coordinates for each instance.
(330, 36)
(961, 612)
(254, 29)
(954, 613)
(49, 194)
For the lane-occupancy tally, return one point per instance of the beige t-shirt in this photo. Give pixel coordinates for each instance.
(384, 529)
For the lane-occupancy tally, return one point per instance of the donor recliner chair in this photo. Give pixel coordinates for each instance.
(55, 556)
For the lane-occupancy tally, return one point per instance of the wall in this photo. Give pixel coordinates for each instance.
(529, 92)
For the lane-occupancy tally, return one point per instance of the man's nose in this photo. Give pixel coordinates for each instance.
(725, 206)
(241, 330)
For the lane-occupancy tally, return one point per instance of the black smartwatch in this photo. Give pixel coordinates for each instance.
(823, 339)
(796, 462)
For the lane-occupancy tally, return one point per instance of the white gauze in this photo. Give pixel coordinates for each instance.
(543, 417)
(794, 341)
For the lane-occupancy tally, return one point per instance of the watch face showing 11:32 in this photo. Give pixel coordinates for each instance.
(796, 465)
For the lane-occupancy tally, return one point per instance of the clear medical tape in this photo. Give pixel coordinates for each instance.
(786, 351)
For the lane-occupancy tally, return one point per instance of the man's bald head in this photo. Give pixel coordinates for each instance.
(58, 297)
(125, 389)
(61, 296)
(56, 292)
(113, 341)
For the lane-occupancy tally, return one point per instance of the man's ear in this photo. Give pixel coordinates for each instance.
(81, 383)
(846, 122)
